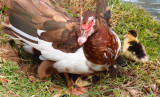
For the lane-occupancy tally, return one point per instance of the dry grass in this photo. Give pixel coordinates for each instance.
(77, 6)
(4, 3)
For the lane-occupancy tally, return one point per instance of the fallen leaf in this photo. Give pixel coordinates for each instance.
(154, 87)
(33, 79)
(59, 91)
(3, 80)
(2, 76)
(125, 94)
(145, 64)
(57, 95)
(133, 92)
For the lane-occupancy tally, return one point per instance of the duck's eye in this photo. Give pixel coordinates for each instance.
(92, 21)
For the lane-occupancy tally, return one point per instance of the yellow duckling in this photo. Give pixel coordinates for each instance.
(83, 81)
(133, 49)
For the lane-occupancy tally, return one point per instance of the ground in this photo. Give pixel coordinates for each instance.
(18, 70)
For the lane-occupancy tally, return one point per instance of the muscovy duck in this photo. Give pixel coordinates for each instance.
(57, 36)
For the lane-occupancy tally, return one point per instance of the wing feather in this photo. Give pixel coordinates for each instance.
(58, 26)
(101, 7)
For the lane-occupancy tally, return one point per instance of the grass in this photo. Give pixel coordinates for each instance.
(19, 85)
(128, 16)
(142, 76)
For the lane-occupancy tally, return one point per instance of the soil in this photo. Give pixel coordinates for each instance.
(8, 53)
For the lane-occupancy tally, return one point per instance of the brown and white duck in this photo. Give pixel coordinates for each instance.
(57, 36)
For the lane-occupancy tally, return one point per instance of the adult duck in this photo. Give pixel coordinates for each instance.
(58, 37)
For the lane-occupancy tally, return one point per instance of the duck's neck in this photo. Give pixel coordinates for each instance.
(97, 43)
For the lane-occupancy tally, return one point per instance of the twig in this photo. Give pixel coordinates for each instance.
(130, 82)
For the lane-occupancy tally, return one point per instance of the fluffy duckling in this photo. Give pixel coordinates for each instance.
(133, 49)
(84, 81)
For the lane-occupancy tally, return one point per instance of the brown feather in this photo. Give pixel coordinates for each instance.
(101, 7)
(61, 10)
(61, 29)
(47, 11)
(100, 42)
(46, 69)
(8, 31)
(19, 22)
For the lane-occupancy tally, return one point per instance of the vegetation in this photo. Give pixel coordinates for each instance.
(20, 79)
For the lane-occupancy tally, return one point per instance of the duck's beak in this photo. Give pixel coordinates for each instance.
(83, 37)
(125, 35)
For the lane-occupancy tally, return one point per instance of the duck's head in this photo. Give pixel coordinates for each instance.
(132, 34)
(87, 23)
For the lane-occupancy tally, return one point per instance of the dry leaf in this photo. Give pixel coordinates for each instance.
(2, 76)
(133, 92)
(3, 80)
(145, 64)
(125, 94)
(59, 91)
(153, 87)
(33, 79)
(57, 95)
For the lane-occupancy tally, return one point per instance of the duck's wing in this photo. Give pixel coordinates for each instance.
(137, 49)
(44, 27)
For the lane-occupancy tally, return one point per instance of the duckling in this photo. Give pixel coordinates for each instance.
(133, 49)
(84, 81)
(81, 84)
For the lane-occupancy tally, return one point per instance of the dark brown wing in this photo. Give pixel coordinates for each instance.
(58, 26)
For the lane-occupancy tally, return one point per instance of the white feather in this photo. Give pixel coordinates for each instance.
(119, 42)
(81, 18)
(39, 32)
(43, 46)
(28, 48)
(42, 58)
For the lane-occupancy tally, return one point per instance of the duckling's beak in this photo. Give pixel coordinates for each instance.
(125, 35)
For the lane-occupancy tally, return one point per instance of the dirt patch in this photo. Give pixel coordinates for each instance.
(8, 53)
(27, 63)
